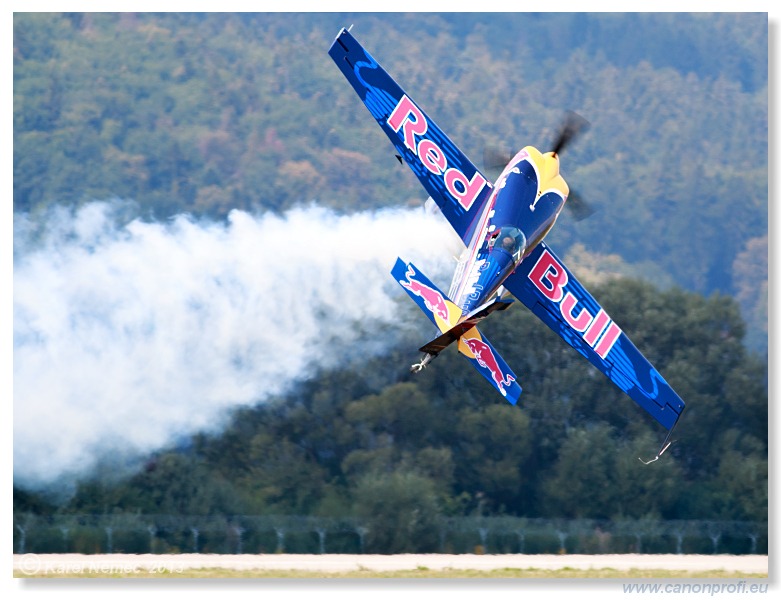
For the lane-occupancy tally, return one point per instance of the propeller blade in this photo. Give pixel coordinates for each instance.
(574, 125)
(494, 158)
(578, 207)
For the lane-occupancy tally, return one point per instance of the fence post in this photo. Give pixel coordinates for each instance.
(22, 540)
(361, 531)
(64, 531)
(239, 531)
(280, 540)
(483, 532)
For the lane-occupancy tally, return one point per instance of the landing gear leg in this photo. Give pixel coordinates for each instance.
(418, 367)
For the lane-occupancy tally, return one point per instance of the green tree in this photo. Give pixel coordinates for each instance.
(580, 485)
(282, 476)
(493, 445)
(399, 510)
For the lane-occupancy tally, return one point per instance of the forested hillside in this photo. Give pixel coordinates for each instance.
(206, 113)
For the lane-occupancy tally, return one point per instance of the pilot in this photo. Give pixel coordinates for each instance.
(508, 243)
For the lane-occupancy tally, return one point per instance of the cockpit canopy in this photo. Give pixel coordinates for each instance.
(511, 240)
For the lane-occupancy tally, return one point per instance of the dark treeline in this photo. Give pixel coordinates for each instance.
(207, 113)
(400, 451)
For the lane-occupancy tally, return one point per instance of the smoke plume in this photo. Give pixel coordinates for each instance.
(129, 336)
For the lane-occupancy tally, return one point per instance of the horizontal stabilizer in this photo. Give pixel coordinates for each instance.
(429, 298)
(445, 315)
(479, 351)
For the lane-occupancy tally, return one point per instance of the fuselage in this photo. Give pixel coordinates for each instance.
(524, 204)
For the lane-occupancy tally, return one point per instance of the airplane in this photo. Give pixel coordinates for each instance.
(503, 226)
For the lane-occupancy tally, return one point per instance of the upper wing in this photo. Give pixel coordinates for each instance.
(549, 289)
(455, 184)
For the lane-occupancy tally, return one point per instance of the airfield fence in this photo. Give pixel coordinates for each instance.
(240, 534)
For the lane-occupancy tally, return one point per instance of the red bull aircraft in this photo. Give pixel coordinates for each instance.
(502, 226)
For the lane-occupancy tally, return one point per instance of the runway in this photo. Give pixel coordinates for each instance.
(159, 564)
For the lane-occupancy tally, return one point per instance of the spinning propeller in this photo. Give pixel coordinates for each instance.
(573, 126)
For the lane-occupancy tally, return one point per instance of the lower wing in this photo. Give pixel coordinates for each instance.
(545, 285)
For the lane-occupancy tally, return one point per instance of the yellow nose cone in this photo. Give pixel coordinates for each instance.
(550, 165)
(550, 174)
(547, 167)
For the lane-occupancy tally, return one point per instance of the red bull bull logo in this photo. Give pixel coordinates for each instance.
(599, 331)
(411, 122)
(432, 298)
(485, 358)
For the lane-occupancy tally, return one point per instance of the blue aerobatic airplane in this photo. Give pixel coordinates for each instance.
(502, 226)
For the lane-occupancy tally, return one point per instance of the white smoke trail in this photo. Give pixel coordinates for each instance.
(127, 337)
